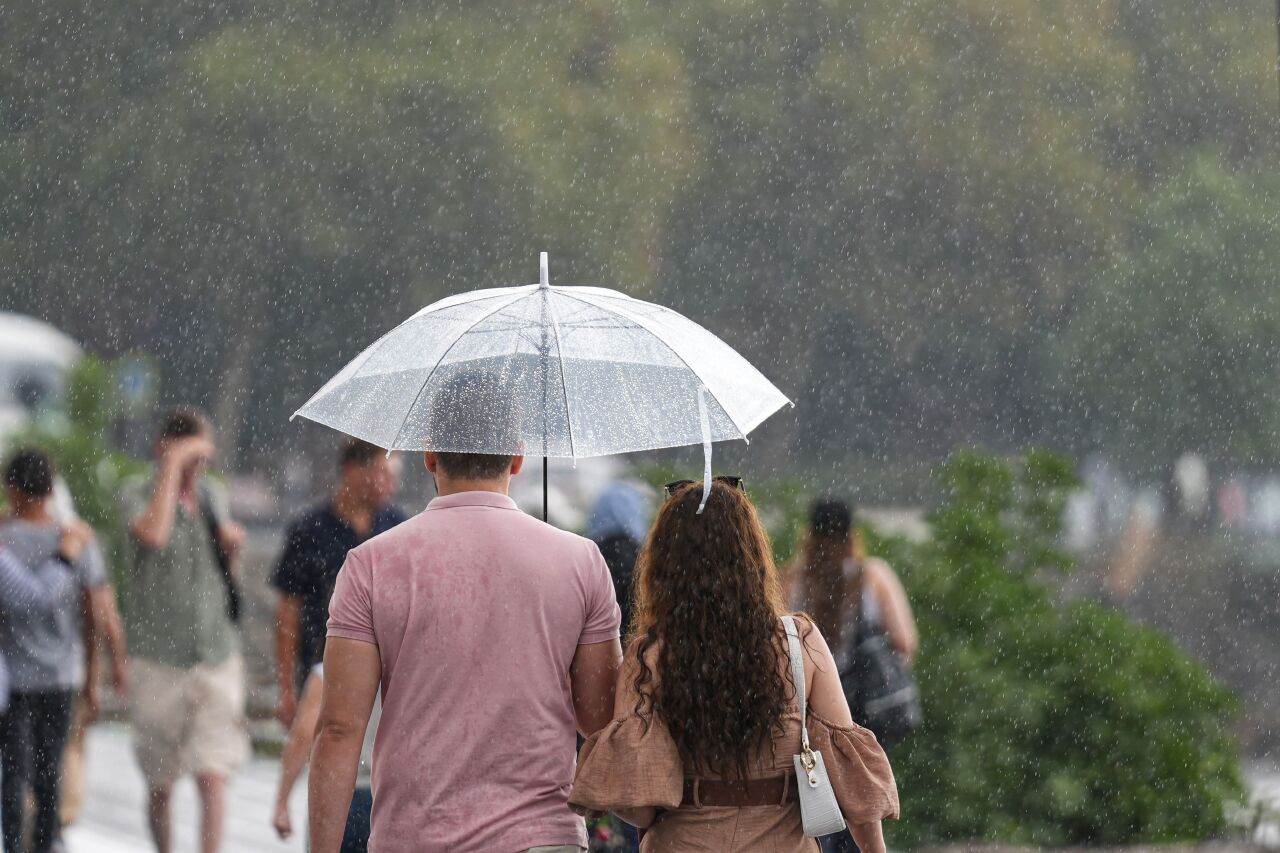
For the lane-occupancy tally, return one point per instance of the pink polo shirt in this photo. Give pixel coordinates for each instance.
(477, 610)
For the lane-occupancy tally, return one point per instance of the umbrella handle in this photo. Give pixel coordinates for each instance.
(705, 422)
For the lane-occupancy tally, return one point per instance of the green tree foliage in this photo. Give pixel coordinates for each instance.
(1178, 340)
(1046, 723)
(900, 206)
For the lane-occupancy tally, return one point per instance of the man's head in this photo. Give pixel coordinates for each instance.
(180, 425)
(28, 477)
(477, 426)
(367, 474)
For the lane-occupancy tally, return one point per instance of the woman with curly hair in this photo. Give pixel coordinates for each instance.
(706, 720)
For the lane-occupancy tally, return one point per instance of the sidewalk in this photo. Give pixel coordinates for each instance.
(113, 819)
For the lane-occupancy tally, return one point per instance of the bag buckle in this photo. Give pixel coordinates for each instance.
(808, 762)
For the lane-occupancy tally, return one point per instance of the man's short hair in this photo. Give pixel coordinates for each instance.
(473, 466)
(469, 417)
(357, 451)
(182, 422)
(30, 470)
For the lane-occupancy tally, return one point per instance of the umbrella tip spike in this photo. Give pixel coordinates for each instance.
(544, 278)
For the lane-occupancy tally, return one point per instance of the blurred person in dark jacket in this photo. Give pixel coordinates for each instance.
(618, 524)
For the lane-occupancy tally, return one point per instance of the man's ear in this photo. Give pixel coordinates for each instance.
(517, 462)
(431, 461)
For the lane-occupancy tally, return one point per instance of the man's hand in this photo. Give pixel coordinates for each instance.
(76, 536)
(181, 453)
(281, 821)
(286, 708)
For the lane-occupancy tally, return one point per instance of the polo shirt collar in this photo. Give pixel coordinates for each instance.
(489, 499)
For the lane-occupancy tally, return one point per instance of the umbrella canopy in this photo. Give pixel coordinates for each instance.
(549, 371)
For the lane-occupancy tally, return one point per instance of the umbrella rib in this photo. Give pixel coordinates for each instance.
(671, 349)
(564, 388)
(396, 439)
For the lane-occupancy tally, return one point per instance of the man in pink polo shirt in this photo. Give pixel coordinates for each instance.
(493, 637)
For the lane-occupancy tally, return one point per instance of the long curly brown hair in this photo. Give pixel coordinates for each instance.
(708, 598)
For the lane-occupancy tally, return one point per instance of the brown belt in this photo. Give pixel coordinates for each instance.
(770, 791)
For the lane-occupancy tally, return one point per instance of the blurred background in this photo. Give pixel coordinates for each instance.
(942, 228)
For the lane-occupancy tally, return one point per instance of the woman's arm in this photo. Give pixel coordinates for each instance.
(826, 695)
(869, 837)
(107, 617)
(638, 817)
(895, 610)
(297, 749)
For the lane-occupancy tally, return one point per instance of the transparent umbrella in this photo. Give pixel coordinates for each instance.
(547, 371)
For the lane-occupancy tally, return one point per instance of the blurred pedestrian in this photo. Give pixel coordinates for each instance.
(709, 714)
(836, 582)
(187, 690)
(492, 635)
(618, 524)
(106, 617)
(315, 546)
(48, 650)
(860, 605)
(297, 749)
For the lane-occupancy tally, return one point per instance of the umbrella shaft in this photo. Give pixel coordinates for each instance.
(544, 488)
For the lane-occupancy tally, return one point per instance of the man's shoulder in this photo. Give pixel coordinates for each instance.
(409, 530)
(390, 515)
(313, 518)
(564, 541)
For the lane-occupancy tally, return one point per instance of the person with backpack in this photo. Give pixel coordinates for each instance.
(860, 606)
(187, 691)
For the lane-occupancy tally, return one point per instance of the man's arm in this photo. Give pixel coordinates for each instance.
(107, 618)
(352, 670)
(90, 690)
(154, 525)
(288, 631)
(592, 678)
(297, 749)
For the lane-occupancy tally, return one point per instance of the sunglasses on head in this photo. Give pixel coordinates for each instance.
(728, 479)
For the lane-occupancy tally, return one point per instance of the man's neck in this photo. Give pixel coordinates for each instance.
(447, 486)
(348, 506)
(33, 511)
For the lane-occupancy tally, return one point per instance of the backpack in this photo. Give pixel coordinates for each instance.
(880, 689)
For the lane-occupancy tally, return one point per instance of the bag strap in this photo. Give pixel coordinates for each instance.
(797, 675)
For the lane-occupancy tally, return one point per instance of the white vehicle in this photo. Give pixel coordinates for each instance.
(34, 361)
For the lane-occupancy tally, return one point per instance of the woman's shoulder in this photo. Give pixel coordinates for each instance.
(811, 639)
(878, 569)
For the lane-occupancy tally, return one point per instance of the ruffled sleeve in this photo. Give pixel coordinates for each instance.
(630, 763)
(858, 768)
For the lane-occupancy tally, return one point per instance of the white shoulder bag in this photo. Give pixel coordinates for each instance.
(819, 811)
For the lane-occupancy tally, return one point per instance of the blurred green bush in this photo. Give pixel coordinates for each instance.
(1046, 723)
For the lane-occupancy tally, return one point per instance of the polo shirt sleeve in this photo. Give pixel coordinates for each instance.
(134, 497)
(604, 617)
(351, 608)
(292, 574)
(91, 567)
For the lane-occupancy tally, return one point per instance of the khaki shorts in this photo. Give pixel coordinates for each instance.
(188, 720)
